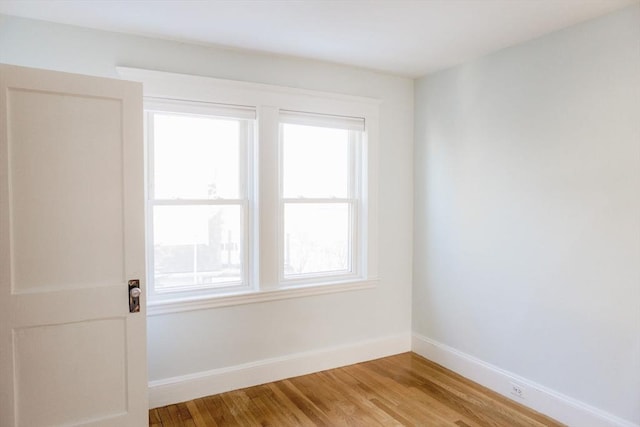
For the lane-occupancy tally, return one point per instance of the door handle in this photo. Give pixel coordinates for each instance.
(134, 296)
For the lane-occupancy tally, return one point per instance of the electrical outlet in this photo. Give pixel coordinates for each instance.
(517, 390)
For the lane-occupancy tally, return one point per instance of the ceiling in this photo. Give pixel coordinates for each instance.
(405, 37)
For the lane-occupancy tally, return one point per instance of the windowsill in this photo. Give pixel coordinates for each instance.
(177, 305)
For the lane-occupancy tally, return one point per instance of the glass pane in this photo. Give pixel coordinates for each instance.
(315, 161)
(196, 157)
(316, 238)
(197, 246)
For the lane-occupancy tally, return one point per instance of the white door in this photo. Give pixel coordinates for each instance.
(71, 237)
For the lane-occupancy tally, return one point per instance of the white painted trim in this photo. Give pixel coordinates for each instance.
(164, 84)
(536, 396)
(192, 386)
(157, 307)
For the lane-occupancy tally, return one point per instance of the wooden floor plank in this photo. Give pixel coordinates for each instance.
(283, 404)
(446, 398)
(304, 403)
(361, 398)
(267, 410)
(478, 398)
(200, 411)
(392, 395)
(533, 418)
(355, 410)
(338, 408)
(219, 411)
(468, 399)
(400, 390)
(239, 405)
(154, 418)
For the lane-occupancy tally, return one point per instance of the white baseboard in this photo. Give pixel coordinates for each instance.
(537, 397)
(192, 386)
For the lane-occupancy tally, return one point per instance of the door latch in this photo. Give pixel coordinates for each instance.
(134, 296)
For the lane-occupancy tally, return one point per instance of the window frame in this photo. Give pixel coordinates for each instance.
(269, 101)
(246, 192)
(357, 251)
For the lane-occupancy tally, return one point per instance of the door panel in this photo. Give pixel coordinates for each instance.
(91, 353)
(60, 206)
(71, 235)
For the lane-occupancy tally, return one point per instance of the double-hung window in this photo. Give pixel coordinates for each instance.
(320, 196)
(255, 192)
(198, 196)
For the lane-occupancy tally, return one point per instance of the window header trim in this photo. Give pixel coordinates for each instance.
(193, 88)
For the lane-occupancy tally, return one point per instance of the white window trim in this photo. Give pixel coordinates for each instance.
(269, 101)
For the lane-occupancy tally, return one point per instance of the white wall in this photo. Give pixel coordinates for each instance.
(204, 340)
(527, 211)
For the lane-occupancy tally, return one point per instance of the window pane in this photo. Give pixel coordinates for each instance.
(316, 238)
(197, 246)
(315, 161)
(196, 157)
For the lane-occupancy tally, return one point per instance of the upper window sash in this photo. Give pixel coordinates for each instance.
(246, 117)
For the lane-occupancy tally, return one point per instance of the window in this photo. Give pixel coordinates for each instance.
(320, 195)
(198, 198)
(255, 192)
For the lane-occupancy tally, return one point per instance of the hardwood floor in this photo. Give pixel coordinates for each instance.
(401, 390)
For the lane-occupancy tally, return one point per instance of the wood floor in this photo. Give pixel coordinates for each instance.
(402, 390)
